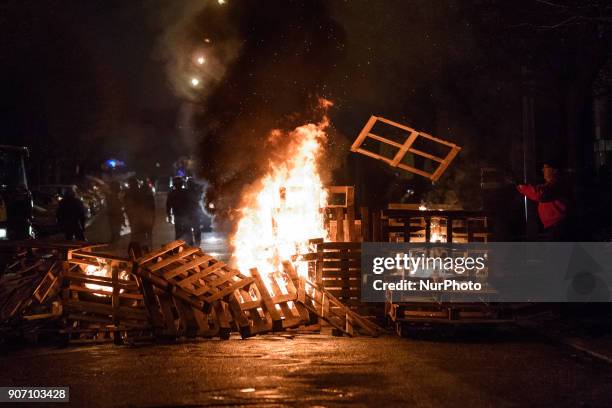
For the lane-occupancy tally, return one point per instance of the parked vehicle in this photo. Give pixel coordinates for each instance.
(60, 190)
(15, 197)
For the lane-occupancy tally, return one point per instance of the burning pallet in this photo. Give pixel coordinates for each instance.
(173, 280)
(100, 296)
(255, 305)
(175, 291)
(180, 280)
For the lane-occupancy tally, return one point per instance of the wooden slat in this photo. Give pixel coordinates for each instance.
(189, 265)
(364, 132)
(427, 155)
(171, 259)
(164, 249)
(98, 280)
(404, 148)
(350, 263)
(415, 170)
(374, 155)
(111, 257)
(339, 245)
(385, 140)
(266, 299)
(451, 155)
(226, 291)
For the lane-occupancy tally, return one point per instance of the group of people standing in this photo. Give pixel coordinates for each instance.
(139, 204)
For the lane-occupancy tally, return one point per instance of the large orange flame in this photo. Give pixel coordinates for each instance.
(285, 210)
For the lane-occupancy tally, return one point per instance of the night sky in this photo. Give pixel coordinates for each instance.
(98, 79)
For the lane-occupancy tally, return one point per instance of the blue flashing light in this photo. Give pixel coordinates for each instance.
(114, 163)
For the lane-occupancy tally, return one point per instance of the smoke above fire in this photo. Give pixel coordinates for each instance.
(272, 62)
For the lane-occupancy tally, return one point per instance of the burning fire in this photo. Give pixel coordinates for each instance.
(285, 211)
(103, 271)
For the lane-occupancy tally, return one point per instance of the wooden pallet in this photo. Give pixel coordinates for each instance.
(256, 304)
(20, 284)
(172, 292)
(173, 310)
(413, 225)
(171, 317)
(325, 305)
(208, 286)
(100, 297)
(409, 314)
(339, 270)
(50, 283)
(404, 146)
(191, 273)
(271, 301)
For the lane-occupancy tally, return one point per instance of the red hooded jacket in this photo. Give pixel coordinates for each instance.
(552, 201)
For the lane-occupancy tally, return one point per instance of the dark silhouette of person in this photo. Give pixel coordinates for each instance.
(71, 216)
(114, 209)
(553, 198)
(195, 215)
(177, 207)
(140, 209)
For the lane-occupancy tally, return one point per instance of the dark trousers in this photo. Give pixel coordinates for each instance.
(180, 229)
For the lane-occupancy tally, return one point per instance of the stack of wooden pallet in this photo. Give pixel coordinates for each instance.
(25, 282)
(100, 298)
(173, 292)
(29, 289)
(189, 291)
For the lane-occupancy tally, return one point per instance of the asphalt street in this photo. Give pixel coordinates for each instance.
(503, 368)
(494, 367)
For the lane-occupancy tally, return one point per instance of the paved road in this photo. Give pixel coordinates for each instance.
(320, 370)
(504, 367)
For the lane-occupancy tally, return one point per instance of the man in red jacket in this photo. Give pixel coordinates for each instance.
(553, 200)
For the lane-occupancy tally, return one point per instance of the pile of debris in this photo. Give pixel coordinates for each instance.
(79, 294)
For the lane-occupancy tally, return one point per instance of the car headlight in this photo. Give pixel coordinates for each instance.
(2, 233)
